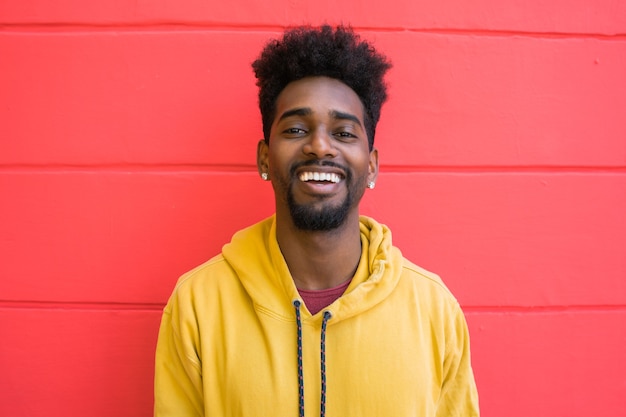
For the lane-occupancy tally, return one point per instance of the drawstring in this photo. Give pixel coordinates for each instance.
(296, 304)
(327, 316)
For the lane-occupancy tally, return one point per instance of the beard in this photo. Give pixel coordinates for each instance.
(328, 217)
(309, 218)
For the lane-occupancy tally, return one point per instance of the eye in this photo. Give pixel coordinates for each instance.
(294, 131)
(344, 135)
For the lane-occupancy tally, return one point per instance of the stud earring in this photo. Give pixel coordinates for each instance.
(264, 176)
(371, 185)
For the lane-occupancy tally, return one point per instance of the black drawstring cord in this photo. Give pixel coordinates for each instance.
(297, 304)
(327, 316)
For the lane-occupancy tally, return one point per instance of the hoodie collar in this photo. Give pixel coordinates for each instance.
(255, 256)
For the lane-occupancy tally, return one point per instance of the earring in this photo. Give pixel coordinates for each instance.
(371, 185)
(264, 176)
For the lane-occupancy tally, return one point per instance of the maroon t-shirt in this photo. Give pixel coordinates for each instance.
(316, 300)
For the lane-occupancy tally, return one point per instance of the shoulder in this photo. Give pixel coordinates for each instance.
(203, 282)
(202, 272)
(423, 276)
(426, 284)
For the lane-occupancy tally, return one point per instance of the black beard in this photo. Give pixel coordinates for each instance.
(325, 219)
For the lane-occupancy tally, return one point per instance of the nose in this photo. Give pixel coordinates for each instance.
(320, 145)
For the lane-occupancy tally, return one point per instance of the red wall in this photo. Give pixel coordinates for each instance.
(127, 145)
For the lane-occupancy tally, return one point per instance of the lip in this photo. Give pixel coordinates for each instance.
(318, 189)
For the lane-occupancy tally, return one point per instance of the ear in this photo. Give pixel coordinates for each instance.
(373, 166)
(262, 163)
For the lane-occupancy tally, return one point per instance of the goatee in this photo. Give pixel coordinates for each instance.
(326, 218)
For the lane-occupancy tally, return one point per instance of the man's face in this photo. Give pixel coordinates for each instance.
(318, 157)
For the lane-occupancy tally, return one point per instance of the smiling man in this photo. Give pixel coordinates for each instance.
(313, 311)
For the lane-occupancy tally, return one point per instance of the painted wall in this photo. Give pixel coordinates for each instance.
(127, 144)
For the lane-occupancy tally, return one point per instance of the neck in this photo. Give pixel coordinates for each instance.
(321, 259)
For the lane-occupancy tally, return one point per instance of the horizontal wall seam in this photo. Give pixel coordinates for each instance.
(555, 309)
(90, 306)
(165, 27)
(230, 169)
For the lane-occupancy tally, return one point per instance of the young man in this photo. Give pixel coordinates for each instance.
(313, 311)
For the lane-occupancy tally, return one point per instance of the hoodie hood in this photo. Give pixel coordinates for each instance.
(255, 256)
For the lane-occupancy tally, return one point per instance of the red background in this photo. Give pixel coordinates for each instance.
(128, 133)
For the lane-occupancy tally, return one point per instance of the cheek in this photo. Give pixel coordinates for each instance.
(274, 165)
(365, 164)
(281, 157)
(279, 171)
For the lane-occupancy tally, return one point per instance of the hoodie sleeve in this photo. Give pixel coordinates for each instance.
(459, 396)
(178, 372)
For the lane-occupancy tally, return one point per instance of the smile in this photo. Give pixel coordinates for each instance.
(319, 176)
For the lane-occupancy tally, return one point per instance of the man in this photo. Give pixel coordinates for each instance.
(313, 311)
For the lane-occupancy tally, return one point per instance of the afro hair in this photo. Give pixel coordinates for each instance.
(337, 53)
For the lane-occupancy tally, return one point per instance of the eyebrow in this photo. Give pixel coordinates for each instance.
(335, 114)
(345, 116)
(301, 111)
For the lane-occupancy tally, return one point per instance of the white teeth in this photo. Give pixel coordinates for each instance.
(319, 176)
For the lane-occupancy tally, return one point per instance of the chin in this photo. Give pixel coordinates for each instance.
(305, 217)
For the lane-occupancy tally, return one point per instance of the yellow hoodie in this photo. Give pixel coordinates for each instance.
(231, 339)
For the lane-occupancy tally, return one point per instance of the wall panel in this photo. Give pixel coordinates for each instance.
(58, 362)
(548, 364)
(542, 363)
(117, 236)
(497, 239)
(510, 239)
(504, 101)
(184, 98)
(116, 98)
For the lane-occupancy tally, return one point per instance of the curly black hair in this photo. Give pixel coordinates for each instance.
(338, 53)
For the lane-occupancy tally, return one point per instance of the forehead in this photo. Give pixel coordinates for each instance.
(320, 95)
